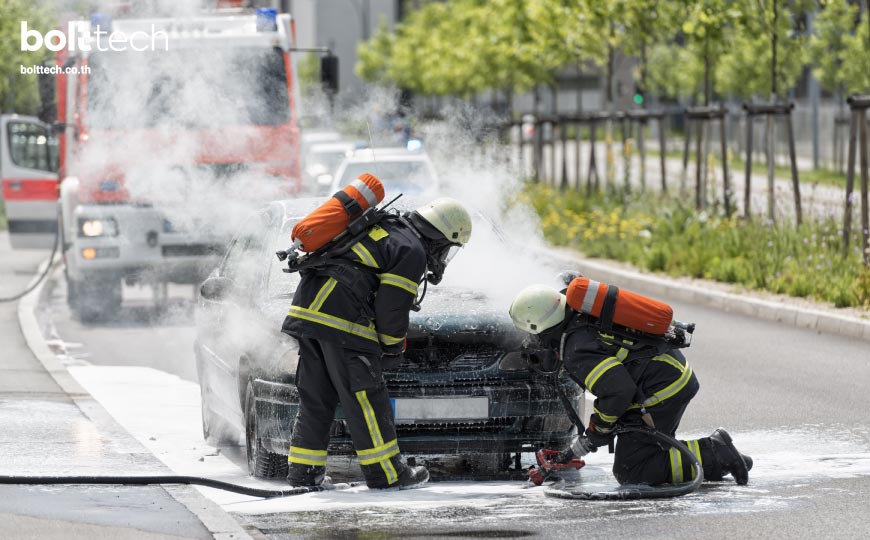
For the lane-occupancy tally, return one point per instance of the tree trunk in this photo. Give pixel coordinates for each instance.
(773, 44)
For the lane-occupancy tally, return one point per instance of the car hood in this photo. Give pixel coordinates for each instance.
(463, 315)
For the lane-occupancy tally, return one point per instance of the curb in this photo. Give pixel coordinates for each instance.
(218, 522)
(799, 317)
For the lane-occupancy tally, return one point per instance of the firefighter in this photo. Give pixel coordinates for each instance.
(350, 318)
(650, 384)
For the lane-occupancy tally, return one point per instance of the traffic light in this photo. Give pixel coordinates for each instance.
(638, 95)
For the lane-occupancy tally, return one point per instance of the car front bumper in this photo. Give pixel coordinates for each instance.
(522, 417)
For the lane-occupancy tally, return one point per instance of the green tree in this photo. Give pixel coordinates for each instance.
(19, 92)
(765, 55)
(646, 24)
(856, 67)
(375, 54)
(829, 46)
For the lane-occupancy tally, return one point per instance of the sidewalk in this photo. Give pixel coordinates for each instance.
(50, 427)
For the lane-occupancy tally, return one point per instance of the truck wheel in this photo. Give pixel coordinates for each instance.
(94, 301)
(261, 462)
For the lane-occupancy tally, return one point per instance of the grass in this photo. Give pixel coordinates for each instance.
(663, 234)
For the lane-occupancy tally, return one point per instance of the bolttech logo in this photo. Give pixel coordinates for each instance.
(78, 39)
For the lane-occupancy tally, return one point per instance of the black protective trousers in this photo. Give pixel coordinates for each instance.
(639, 459)
(329, 374)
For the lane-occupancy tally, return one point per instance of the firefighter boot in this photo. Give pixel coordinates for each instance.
(408, 477)
(299, 475)
(728, 458)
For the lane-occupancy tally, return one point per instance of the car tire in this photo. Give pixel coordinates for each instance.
(261, 462)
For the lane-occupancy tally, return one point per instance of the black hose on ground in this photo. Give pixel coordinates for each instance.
(168, 479)
(41, 277)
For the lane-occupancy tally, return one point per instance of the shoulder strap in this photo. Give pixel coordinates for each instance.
(608, 308)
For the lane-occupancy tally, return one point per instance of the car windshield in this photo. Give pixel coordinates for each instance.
(187, 87)
(326, 161)
(409, 176)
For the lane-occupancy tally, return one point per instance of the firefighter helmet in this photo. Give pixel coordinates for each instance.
(449, 217)
(537, 308)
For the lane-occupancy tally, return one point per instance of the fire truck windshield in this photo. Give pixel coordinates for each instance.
(187, 88)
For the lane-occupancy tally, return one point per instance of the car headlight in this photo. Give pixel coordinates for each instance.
(514, 361)
(93, 227)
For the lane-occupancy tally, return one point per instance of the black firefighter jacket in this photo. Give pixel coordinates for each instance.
(363, 309)
(623, 375)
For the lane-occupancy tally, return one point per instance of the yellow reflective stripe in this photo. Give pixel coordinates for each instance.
(389, 340)
(695, 448)
(600, 369)
(378, 233)
(367, 332)
(377, 449)
(371, 420)
(671, 390)
(322, 294)
(399, 281)
(364, 255)
(676, 465)
(378, 454)
(671, 361)
(375, 433)
(622, 354)
(306, 456)
(605, 417)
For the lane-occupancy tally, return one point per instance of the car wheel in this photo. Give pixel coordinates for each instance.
(261, 462)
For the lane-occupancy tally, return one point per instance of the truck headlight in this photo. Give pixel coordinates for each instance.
(93, 227)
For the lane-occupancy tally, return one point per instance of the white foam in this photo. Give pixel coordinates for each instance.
(162, 412)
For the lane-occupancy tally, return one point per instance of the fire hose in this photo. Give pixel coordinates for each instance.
(551, 462)
(41, 276)
(170, 479)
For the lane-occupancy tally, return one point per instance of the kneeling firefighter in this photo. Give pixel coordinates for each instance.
(350, 315)
(636, 381)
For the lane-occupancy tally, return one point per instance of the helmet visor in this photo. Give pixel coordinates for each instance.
(450, 253)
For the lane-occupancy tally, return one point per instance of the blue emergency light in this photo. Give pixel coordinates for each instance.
(101, 22)
(267, 19)
(414, 145)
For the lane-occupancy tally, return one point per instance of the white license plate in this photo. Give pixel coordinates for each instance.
(409, 410)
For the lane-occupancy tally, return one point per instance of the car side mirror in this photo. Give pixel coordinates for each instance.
(216, 288)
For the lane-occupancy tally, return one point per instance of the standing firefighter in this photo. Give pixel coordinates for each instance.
(350, 316)
(635, 379)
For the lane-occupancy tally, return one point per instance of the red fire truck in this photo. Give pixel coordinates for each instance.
(162, 145)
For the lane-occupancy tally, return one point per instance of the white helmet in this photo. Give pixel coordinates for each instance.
(449, 217)
(537, 308)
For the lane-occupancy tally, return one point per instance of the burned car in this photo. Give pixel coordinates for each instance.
(464, 390)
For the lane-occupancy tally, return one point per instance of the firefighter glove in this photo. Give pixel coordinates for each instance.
(599, 433)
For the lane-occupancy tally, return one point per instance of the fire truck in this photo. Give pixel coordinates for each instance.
(159, 148)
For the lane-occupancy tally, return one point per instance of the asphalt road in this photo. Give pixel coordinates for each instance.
(793, 399)
(45, 432)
